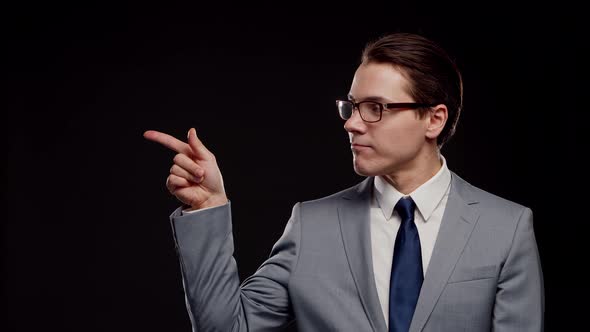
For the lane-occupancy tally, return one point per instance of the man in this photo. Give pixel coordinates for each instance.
(413, 247)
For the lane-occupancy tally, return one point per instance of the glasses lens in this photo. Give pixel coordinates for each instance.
(345, 109)
(370, 111)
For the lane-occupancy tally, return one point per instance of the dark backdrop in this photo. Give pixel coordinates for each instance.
(85, 238)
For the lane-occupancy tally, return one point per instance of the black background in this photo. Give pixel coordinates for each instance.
(85, 238)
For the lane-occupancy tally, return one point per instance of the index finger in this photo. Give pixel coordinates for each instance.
(168, 141)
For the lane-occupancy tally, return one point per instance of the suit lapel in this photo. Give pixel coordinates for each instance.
(456, 226)
(353, 214)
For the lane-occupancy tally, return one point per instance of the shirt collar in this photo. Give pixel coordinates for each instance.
(427, 196)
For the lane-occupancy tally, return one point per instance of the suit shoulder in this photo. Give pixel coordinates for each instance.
(331, 199)
(488, 202)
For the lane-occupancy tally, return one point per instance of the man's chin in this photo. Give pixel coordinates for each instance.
(364, 171)
(360, 173)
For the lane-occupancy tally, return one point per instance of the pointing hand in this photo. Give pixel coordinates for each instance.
(195, 178)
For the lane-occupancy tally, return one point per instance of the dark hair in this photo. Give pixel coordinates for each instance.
(434, 78)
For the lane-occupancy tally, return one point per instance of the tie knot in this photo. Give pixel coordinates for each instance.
(405, 208)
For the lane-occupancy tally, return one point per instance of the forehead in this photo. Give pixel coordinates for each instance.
(378, 79)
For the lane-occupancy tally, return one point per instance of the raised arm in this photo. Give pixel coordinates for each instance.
(215, 299)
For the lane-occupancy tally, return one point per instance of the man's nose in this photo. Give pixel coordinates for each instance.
(355, 122)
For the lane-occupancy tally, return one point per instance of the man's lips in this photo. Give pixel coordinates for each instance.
(356, 146)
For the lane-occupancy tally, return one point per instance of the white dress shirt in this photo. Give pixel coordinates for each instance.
(430, 198)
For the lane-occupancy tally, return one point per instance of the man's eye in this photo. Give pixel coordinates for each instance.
(373, 107)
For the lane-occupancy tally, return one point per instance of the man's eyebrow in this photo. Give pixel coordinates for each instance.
(371, 98)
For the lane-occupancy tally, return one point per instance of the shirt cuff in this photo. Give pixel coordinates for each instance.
(186, 211)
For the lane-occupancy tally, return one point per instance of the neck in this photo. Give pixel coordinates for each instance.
(423, 168)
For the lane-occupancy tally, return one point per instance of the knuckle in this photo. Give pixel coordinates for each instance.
(177, 158)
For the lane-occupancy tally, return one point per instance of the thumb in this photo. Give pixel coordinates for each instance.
(199, 150)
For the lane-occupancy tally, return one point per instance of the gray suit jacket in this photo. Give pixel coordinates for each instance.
(484, 273)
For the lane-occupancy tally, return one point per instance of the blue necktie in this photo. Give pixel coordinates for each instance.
(406, 269)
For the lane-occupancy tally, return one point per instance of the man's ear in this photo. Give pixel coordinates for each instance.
(436, 120)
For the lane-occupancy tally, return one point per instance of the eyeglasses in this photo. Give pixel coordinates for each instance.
(371, 111)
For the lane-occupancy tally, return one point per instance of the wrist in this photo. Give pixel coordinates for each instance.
(211, 202)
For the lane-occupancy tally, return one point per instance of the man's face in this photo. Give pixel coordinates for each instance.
(396, 142)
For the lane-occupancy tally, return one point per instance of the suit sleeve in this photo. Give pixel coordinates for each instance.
(520, 302)
(215, 299)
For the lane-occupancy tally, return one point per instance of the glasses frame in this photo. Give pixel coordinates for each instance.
(382, 107)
